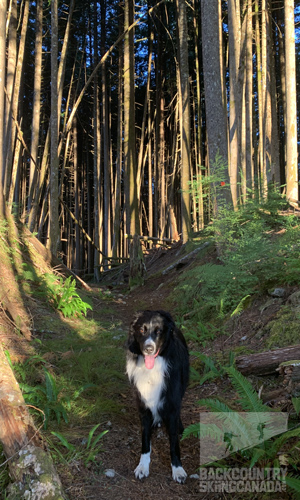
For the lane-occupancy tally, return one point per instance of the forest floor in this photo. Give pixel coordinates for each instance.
(120, 447)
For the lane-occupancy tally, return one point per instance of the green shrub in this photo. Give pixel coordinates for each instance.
(251, 257)
(64, 296)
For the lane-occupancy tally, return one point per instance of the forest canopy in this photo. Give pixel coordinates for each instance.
(143, 118)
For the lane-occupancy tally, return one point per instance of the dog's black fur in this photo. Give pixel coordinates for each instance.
(160, 381)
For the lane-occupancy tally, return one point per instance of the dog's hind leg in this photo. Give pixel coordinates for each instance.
(142, 469)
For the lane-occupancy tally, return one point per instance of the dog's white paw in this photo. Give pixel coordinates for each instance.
(179, 475)
(142, 469)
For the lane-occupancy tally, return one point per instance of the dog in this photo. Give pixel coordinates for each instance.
(157, 365)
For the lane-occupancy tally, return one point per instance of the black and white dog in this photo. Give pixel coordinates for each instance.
(158, 367)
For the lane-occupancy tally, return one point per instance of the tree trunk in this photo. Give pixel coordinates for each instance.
(30, 465)
(35, 131)
(291, 103)
(10, 141)
(131, 201)
(185, 129)
(235, 101)
(54, 232)
(2, 100)
(216, 111)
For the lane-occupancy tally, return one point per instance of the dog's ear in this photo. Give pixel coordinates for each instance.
(168, 320)
(132, 343)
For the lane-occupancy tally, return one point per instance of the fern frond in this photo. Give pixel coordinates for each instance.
(293, 483)
(249, 399)
(257, 454)
(214, 405)
(191, 430)
(240, 306)
(233, 424)
(211, 431)
(277, 444)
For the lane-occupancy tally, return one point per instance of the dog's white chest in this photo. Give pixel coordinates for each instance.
(149, 383)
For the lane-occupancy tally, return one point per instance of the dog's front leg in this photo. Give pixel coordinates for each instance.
(174, 425)
(142, 469)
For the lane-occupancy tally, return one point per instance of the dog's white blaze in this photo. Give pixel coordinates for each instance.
(149, 383)
(142, 469)
(178, 473)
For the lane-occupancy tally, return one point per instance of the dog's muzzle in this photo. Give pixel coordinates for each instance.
(149, 348)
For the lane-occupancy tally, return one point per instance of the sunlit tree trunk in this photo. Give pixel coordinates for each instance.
(132, 215)
(97, 154)
(198, 138)
(105, 140)
(12, 156)
(54, 232)
(216, 110)
(185, 129)
(116, 248)
(234, 34)
(249, 100)
(35, 131)
(2, 97)
(11, 72)
(260, 149)
(291, 103)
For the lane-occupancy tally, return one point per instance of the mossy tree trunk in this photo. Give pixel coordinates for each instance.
(30, 464)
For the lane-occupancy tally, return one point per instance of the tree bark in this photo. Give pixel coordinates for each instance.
(215, 107)
(2, 100)
(132, 214)
(185, 129)
(35, 131)
(30, 465)
(291, 103)
(54, 233)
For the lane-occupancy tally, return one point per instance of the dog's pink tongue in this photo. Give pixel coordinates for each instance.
(149, 362)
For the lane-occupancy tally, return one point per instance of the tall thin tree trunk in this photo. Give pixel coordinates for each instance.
(10, 140)
(234, 32)
(132, 216)
(291, 103)
(216, 111)
(11, 72)
(97, 154)
(249, 100)
(54, 233)
(185, 143)
(117, 249)
(2, 98)
(35, 131)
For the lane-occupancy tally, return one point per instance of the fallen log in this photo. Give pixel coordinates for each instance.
(266, 363)
(184, 259)
(30, 464)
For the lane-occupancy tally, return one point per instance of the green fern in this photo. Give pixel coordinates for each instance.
(249, 399)
(64, 296)
(294, 484)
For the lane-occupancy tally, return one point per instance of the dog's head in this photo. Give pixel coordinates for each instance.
(149, 333)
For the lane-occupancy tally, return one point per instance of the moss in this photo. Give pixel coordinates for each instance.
(35, 477)
(284, 330)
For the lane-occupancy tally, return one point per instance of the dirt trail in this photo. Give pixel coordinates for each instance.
(123, 442)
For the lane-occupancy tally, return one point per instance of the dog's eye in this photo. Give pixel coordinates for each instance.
(158, 331)
(143, 329)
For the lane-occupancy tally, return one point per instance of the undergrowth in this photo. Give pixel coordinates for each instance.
(257, 247)
(246, 431)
